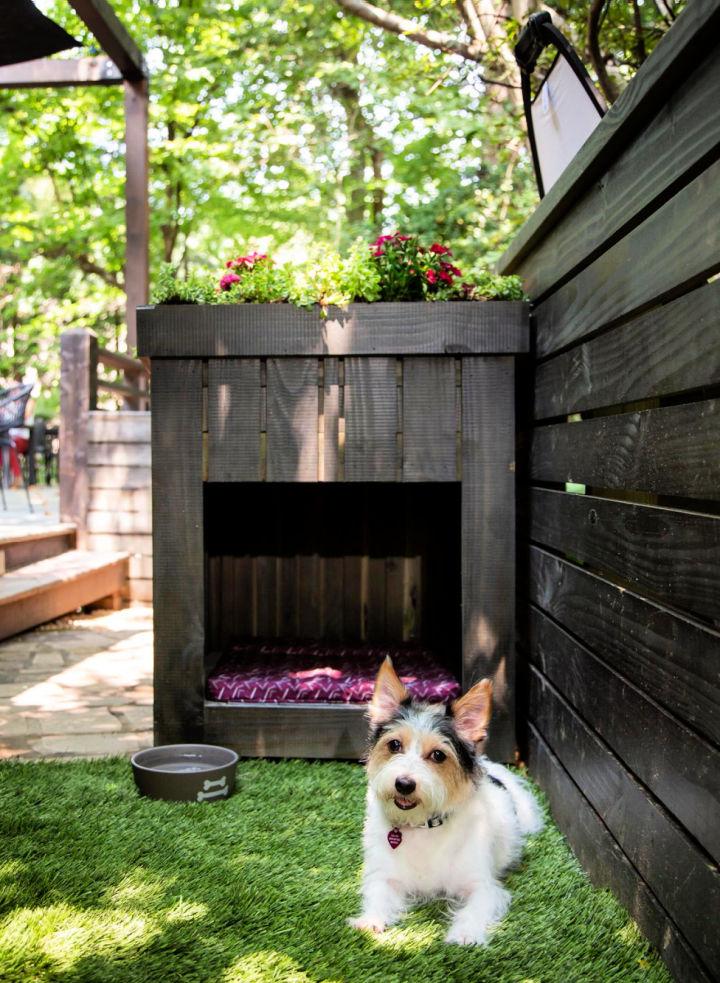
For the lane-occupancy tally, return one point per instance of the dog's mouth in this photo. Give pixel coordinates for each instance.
(402, 803)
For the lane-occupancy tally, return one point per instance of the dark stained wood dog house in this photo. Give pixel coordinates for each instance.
(348, 478)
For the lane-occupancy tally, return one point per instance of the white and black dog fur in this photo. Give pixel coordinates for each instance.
(441, 820)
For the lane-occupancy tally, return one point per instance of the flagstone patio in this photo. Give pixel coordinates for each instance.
(78, 687)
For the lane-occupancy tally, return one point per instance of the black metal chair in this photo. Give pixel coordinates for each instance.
(13, 404)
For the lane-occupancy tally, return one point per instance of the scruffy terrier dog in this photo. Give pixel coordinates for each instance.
(441, 820)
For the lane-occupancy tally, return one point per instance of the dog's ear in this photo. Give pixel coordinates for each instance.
(472, 712)
(388, 695)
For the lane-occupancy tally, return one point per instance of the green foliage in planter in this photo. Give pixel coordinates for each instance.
(334, 280)
(492, 286)
(171, 289)
(393, 268)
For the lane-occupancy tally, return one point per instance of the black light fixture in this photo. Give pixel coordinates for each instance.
(566, 107)
(26, 34)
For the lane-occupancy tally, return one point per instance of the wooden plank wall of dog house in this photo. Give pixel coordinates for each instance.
(621, 619)
(177, 472)
(371, 419)
(488, 539)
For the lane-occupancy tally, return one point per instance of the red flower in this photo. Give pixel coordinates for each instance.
(440, 250)
(449, 268)
(431, 276)
(402, 238)
(445, 277)
(227, 280)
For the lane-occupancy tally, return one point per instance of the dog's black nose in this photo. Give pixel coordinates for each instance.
(404, 785)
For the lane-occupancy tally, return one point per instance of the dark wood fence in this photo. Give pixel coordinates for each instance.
(621, 634)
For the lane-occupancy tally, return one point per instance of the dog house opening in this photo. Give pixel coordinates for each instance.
(309, 586)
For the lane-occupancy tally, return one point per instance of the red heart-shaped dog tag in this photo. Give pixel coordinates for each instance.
(395, 838)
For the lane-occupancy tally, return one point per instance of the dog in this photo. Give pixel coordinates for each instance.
(441, 820)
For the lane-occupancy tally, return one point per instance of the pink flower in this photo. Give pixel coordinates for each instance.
(402, 238)
(227, 280)
(431, 276)
(383, 239)
(449, 268)
(440, 250)
(378, 251)
(229, 264)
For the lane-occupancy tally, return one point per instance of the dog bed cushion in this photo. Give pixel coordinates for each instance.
(313, 672)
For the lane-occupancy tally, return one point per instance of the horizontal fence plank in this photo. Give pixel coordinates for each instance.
(119, 428)
(119, 522)
(677, 872)
(140, 591)
(681, 769)
(677, 54)
(606, 864)
(671, 658)
(669, 350)
(121, 542)
(679, 139)
(120, 500)
(119, 476)
(226, 330)
(140, 567)
(234, 419)
(123, 455)
(674, 254)
(672, 553)
(672, 450)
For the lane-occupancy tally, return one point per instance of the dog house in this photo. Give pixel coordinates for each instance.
(328, 490)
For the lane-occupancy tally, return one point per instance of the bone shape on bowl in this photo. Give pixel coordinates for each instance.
(212, 795)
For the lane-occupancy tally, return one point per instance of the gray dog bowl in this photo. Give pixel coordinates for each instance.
(185, 772)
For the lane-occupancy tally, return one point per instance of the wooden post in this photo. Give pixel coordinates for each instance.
(136, 203)
(78, 395)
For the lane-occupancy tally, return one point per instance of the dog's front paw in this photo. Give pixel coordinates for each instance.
(466, 935)
(368, 923)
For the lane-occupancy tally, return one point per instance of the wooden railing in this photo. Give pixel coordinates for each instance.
(80, 381)
(134, 389)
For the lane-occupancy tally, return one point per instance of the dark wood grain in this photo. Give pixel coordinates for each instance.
(606, 864)
(285, 730)
(234, 419)
(678, 873)
(678, 767)
(428, 423)
(671, 553)
(672, 659)
(292, 419)
(678, 53)
(613, 286)
(680, 139)
(672, 450)
(329, 470)
(488, 539)
(255, 330)
(669, 350)
(371, 422)
(178, 551)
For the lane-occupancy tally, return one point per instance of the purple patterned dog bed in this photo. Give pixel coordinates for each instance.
(314, 672)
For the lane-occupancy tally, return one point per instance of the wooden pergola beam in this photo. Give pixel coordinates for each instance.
(55, 73)
(100, 18)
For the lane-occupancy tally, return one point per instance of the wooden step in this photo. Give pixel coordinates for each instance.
(22, 545)
(44, 590)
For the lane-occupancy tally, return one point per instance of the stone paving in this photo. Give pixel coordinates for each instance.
(78, 687)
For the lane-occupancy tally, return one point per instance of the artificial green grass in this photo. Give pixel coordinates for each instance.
(98, 884)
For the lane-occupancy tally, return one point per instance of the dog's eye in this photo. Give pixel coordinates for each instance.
(438, 756)
(394, 747)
